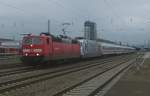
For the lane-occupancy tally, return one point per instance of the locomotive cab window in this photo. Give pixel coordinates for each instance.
(27, 41)
(33, 40)
(36, 40)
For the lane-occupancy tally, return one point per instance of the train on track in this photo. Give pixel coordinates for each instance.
(46, 47)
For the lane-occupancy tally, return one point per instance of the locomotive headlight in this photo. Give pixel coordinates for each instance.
(37, 50)
(26, 54)
(37, 54)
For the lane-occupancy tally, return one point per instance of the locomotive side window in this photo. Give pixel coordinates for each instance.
(47, 40)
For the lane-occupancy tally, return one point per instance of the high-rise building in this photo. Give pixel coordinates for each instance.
(90, 31)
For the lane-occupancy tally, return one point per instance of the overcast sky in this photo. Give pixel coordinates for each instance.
(117, 20)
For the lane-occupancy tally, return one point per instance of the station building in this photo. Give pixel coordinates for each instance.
(9, 47)
(90, 31)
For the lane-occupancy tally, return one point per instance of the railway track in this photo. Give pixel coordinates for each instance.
(21, 81)
(10, 65)
(24, 82)
(94, 85)
(11, 71)
(10, 62)
(22, 69)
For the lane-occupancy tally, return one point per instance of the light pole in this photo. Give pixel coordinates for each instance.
(49, 26)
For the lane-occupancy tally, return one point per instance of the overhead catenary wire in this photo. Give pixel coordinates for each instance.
(23, 11)
(11, 6)
(114, 11)
(72, 10)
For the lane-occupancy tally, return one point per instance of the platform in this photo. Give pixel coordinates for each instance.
(136, 82)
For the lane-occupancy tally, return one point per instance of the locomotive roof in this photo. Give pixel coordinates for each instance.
(59, 38)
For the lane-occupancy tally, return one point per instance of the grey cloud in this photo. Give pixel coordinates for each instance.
(117, 20)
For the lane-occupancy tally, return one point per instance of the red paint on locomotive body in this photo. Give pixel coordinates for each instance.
(64, 51)
(49, 48)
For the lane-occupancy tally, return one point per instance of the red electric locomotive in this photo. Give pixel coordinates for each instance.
(46, 47)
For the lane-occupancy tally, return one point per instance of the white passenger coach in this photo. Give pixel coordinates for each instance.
(92, 48)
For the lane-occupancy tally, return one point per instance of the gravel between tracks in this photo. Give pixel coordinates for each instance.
(88, 88)
(45, 83)
(41, 71)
